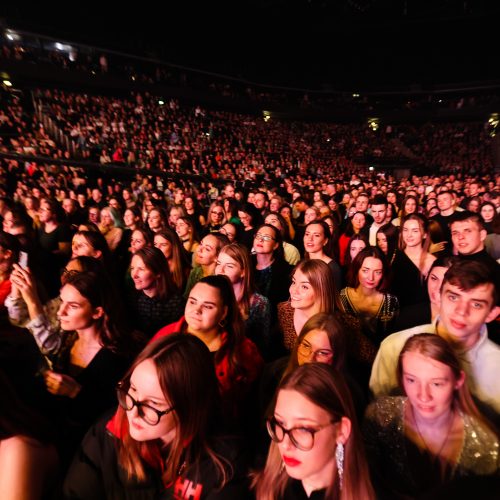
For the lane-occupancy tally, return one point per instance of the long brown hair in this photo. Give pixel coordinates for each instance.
(336, 336)
(234, 325)
(157, 263)
(187, 378)
(97, 288)
(321, 279)
(434, 347)
(324, 387)
(180, 268)
(240, 254)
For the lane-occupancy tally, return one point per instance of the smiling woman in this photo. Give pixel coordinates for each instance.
(212, 315)
(312, 291)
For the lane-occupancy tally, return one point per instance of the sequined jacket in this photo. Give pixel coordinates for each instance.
(387, 449)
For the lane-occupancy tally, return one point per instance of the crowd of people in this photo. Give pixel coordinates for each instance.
(295, 336)
(88, 61)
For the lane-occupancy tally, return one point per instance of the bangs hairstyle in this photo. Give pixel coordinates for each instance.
(436, 348)
(187, 378)
(326, 388)
(357, 264)
(321, 279)
(240, 254)
(336, 337)
(157, 263)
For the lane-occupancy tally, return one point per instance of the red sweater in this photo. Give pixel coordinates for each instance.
(248, 355)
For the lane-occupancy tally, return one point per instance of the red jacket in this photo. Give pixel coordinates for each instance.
(248, 354)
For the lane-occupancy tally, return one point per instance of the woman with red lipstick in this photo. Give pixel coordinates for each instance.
(165, 440)
(365, 298)
(317, 448)
(435, 434)
(156, 300)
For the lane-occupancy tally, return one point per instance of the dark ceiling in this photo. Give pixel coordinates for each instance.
(292, 42)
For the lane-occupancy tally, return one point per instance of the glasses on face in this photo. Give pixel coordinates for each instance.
(263, 237)
(301, 437)
(149, 414)
(227, 233)
(322, 355)
(219, 214)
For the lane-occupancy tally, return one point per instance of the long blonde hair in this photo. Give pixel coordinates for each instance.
(324, 387)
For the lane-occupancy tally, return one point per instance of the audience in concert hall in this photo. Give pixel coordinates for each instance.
(292, 264)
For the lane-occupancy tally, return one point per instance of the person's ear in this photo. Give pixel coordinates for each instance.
(344, 430)
(98, 313)
(461, 380)
(493, 314)
(483, 233)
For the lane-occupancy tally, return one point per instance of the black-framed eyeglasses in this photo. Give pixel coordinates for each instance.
(306, 350)
(301, 437)
(264, 237)
(149, 414)
(217, 213)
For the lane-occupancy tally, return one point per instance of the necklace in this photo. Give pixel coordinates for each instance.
(450, 425)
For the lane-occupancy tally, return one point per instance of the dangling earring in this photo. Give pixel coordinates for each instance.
(339, 457)
(222, 323)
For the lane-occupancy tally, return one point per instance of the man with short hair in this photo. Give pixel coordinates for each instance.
(469, 300)
(468, 235)
(445, 203)
(378, 210)
(261, 201)
(362, 202)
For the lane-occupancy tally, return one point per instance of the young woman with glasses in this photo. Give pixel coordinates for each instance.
(250, 218)
(216, 218)
(165, 439)
(271, 270)
(317, 448)
(323, 339)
